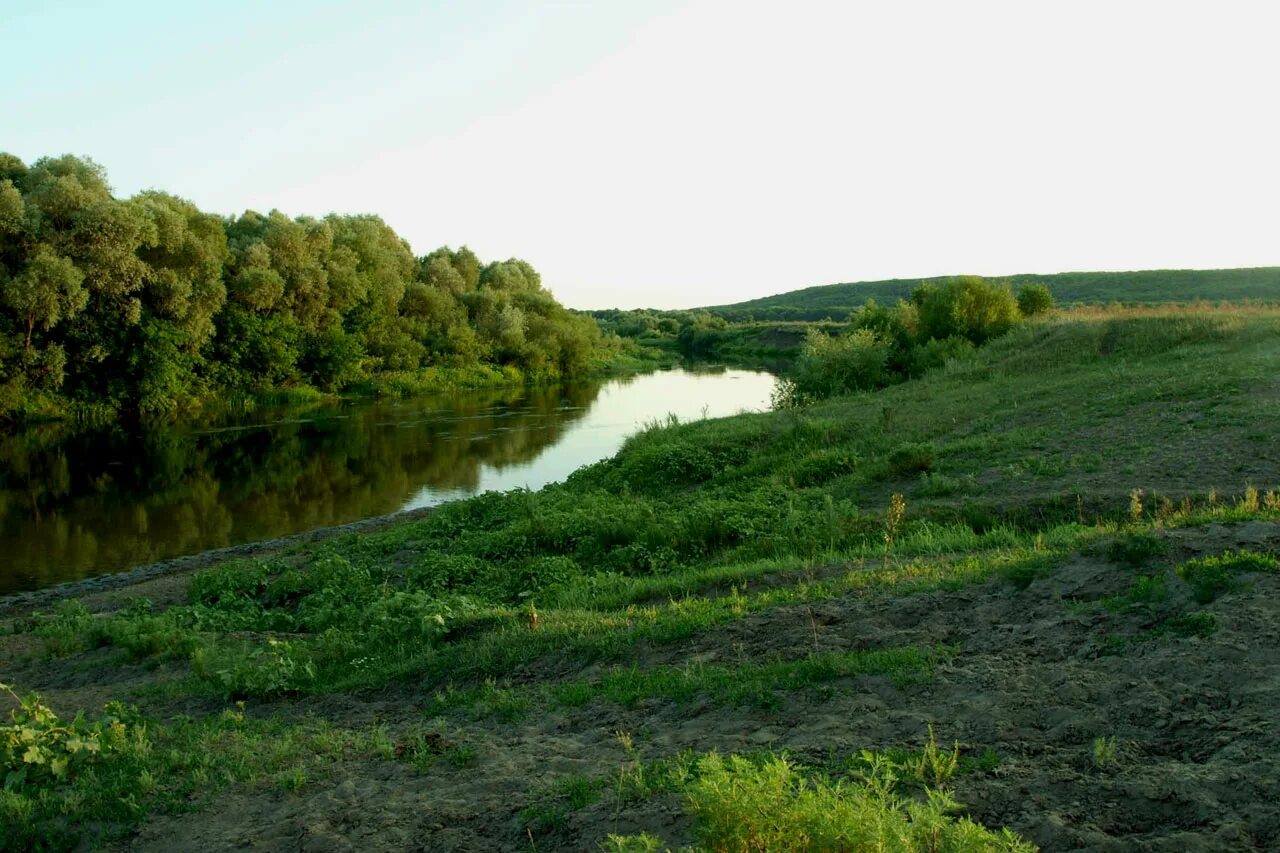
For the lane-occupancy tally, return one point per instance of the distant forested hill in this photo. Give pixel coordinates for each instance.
(835, 301)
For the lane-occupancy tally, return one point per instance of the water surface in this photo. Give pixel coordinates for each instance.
(79, 504)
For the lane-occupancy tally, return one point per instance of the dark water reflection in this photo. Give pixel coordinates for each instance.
(79, 504)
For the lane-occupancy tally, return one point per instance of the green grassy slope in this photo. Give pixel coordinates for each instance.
(1022, 549)
(835, 301)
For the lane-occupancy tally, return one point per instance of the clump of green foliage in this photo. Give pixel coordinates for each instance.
(829, 366)
(940, 323)
(966, 306)
(148, 305)
(38, 749)
(743, 805)
(1209, 577)
(1034, 300)
(52, 766)
(1106, 752)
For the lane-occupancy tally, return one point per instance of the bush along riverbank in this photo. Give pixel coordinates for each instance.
(831, 626)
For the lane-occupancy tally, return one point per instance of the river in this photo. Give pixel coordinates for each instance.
(74, 504)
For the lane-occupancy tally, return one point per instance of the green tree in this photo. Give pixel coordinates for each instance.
(965, 306)
(147, 303)
(185, 260)
(46, 292)
(1034, 299)
(12, 208)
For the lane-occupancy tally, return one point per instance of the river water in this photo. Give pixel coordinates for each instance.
(76, 504)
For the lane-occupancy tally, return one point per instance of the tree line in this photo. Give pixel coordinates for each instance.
(148, 305)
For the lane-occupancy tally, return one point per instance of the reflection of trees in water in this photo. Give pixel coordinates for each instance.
(73, 502)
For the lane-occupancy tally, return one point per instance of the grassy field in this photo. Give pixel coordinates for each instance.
(1026, 600)
(836, 301)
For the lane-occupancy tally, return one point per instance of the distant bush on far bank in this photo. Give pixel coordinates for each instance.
(1034, 300)
(940, 323)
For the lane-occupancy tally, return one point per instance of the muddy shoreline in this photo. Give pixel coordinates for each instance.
(30, 599)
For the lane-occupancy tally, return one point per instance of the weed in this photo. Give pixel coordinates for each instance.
(274, 669)
(740, 805)
(1135, 507)
(1105, 752)
(928, 767)
(293, 779)
(893, 518)
(642, 843)
(54, 768)
(68, 630)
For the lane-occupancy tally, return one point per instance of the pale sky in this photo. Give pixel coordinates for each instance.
(673, 153)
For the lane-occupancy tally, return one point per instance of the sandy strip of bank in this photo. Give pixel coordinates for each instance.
(25, 601)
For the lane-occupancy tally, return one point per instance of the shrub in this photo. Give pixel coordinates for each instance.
(829, 366)
(933, 354)
(908, 459)
(274, 669)
(659, 463)
(233, 580)
(966, 306)
(1034, 299)
(895, 326)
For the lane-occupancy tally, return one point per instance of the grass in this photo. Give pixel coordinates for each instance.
(1136, 548)
(1106, 752)
(743, 806)
(1090, 435)
(1209, 577)
(768, 802)
(1163, 610)
(175, 765)
(895, 798)
(756, 685)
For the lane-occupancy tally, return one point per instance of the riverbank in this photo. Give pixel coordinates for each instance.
(879, 590)
(138, 580)
(47, 408)
(79, 503)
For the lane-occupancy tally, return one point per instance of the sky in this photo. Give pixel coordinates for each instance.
(674, 153)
